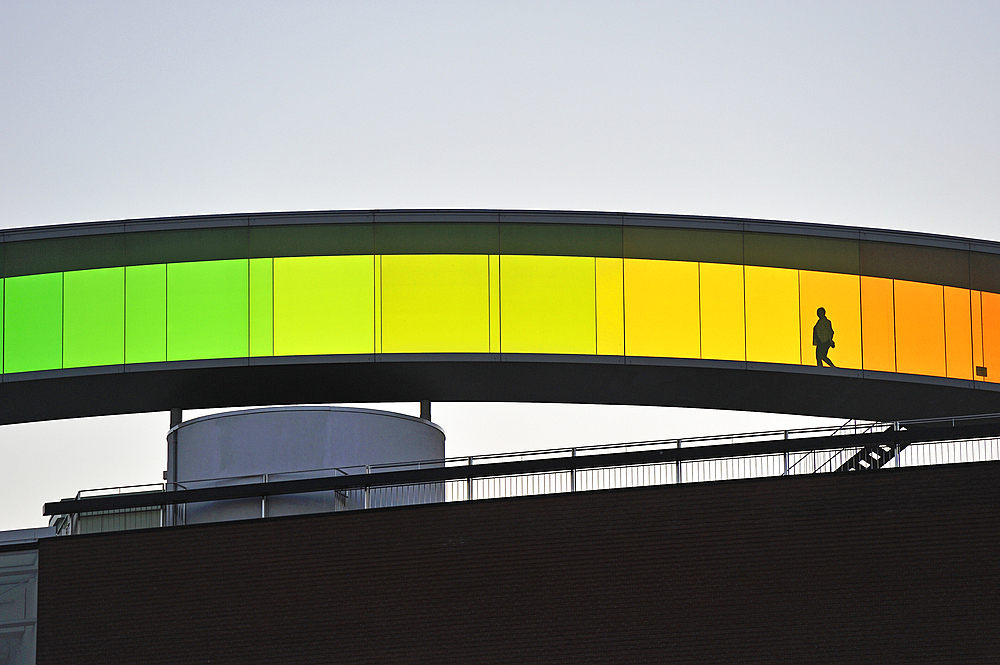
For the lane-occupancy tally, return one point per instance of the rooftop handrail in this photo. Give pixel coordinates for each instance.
(843, 429)
(159, 487)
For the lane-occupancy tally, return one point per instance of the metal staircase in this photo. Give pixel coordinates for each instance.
(871, 458)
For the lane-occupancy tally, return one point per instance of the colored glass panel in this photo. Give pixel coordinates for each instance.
(324, 304)
(723, 330)
(261, 307)
(878, 325)
(977, 335)
(919, 328)
(958, 332)
(435, 303)
(772, 314)
(991, 336)
(94, 317)
(1, 324)
(661, 309)
(610, 307)
(547, 304)
(840, 296)
(208, 309)
(378, 303)
(146, 313)
(494, 303)
(33, 322)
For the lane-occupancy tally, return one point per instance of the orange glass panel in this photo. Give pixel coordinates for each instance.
(991, 336)
(958, 332)
(840, 296)
(977, 333)
(661, 308)
(878, 332)
(919, 328)
(772, 314)
(723, 331)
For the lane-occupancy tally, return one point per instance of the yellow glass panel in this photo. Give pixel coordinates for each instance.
(958, 332)
(378, 303)
(435, 304)
(547, 304)
(991, 336)
(919, 328)
(610, 307)
(261, 307)
(494, 303)
(661, 309)
(840, 296)
(977, 333)
(772, 312)
(723, 329)
(878, 325)
(324, 304)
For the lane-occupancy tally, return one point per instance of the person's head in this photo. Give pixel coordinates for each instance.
(821, 313)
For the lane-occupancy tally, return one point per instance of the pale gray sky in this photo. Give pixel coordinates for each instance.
(876, 114)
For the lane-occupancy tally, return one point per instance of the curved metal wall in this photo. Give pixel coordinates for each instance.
(482, 286)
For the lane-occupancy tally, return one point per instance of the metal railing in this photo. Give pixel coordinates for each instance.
(584, 468)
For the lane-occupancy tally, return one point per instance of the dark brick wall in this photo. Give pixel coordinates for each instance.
(891, 566)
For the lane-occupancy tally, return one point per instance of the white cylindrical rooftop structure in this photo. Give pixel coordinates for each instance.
(292, 442)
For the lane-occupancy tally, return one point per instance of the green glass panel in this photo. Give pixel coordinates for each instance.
(146, 314)
(208, 309)
(94, 317)
(33, 322)
(261, 307)
(1, 323)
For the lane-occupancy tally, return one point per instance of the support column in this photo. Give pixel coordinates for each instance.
(170, 512)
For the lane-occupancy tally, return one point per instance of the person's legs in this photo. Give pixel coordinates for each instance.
(821, 355)
(826, 358)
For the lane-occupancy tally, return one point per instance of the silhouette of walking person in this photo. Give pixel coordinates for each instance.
(823, 338)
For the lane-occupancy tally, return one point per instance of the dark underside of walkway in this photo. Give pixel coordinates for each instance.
(886, 566)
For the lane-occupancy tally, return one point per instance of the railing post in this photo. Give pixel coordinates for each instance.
(263, 500)
(368, 469)
(468, 483)
(678, 463)
(572, 474)
(786, 455)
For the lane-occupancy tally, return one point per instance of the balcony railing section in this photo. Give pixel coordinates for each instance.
(852, 447)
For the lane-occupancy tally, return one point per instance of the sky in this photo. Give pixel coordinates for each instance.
(855, 113)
